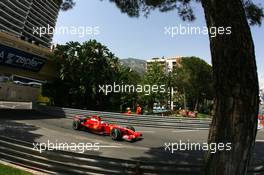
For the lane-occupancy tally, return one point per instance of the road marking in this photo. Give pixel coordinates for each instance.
(4, 106)
(259, 140)
(147, 131)
(179, 131)
(108, 146)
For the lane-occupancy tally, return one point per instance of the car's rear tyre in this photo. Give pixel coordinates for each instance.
(76, 124)
(131, 128)
(116, 134)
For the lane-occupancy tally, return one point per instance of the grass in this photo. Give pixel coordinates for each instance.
(7, 170)
(200, 115)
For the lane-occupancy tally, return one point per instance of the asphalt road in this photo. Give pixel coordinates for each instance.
(34, 127)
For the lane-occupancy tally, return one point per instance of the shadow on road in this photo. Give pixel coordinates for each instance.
(159, 154)
(257, 156)
(18, 131)
(191, 158)
(22, 114)
(10, 127)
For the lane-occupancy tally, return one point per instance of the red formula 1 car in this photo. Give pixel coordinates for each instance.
(96, 125)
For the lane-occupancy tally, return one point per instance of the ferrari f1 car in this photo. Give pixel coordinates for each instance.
(94, 124)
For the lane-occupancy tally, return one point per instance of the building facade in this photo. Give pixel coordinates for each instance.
(25, 54)
(168, 63)
(22, 18)
(18, 57)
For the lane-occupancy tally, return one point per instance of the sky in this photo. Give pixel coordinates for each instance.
(143, 38)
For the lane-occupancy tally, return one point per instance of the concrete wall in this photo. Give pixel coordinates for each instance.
(19, 93)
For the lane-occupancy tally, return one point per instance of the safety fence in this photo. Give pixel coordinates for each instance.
(63, 162)
(15, 105)
(136, 120)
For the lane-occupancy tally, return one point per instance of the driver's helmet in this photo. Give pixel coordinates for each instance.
(96, 118)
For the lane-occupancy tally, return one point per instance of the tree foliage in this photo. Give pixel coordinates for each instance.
(193, 77)
(134, 8)
(184, 9)
(66, 4)
(83, 68)
(155, 76)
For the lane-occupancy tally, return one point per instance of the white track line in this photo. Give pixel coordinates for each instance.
(185, 131)
(147, 131)
(108, 146)
(259, 140)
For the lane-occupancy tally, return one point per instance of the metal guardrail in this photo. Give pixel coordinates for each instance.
(136, 120)
(63, 162)
(56, 162)
(15, 105)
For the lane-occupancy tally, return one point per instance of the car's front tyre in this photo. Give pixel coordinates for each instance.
(76, 124)
(116, 134)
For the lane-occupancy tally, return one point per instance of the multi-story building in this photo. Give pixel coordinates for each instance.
(168, 63)
(24, 53)
(22, 18)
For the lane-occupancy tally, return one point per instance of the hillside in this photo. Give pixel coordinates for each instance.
(135, 64)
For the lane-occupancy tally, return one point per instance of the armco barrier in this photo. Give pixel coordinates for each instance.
(15, 105)
(63, 162)
(136, 120)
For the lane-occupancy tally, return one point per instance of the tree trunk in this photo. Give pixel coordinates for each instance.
(184, 99)
(236, 88)
(196, 104)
